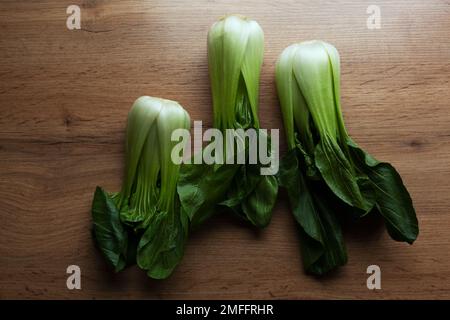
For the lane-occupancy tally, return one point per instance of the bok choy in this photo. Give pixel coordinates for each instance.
(143, 222)
(235, 56)
(326, 173)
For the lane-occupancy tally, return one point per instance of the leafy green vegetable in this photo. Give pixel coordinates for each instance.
(314, 209)
(235, 55)
(251, 196)
(391, 197)
(147, 208)
(334, 175)
(201, 187)
(162, 245)
(110, 234)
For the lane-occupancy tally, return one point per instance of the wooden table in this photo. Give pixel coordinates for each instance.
(64, 98)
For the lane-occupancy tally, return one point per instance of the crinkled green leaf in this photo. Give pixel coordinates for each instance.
(339, 173)
(258, 205)
(201, 187)
(111, 237)
(335, 253)
(391, 196)
(162, 245)
(252, 195)
(322, 243)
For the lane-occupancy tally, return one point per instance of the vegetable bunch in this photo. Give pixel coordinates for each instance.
(143, 222)
(235, 55)
(326, 173)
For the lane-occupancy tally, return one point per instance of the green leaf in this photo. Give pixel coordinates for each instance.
(339, 174)
(258, 205)
(245, 180)
(110, 235)
(201, 187)
(161, 247)
(391, 196)
(252, 195)
(335, 253)
(322, 243)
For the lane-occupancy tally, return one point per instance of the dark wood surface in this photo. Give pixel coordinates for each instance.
(64, 98)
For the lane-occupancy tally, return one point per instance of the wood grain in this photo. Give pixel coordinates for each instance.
(64, 97)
